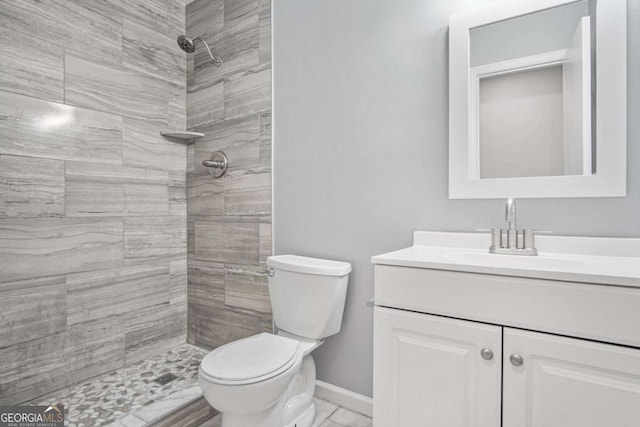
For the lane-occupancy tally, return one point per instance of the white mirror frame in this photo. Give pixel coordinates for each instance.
(611, 109)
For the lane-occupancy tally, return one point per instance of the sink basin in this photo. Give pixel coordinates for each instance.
(513, 261)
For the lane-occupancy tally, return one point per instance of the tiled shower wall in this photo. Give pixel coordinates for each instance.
(229, 219)
(93, 239)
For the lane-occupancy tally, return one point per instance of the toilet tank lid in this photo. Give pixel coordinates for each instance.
(306, 265)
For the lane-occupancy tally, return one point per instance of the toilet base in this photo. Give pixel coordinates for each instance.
(294, 409)
(305, 419)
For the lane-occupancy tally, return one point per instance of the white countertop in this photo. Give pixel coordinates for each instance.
(601, 260)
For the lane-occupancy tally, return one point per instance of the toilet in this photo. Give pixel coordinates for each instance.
(268, 380)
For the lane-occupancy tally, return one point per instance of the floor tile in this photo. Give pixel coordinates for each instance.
(346, 418)
(324, 409)
(117, 395)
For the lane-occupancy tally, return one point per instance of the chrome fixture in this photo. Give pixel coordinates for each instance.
(486, 353)
(516, 359)
(514, 242)
(217, 164)
(188, 44)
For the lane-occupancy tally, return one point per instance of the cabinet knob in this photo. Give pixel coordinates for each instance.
(516, 359)
(486, 354)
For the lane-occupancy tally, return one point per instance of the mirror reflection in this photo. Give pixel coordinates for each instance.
(531, 94)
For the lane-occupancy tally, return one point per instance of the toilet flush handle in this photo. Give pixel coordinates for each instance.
(271, 272)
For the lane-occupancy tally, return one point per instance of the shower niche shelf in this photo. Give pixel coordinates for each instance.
(183, 137)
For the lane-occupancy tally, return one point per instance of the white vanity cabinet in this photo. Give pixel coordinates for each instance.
(429, 371)
(566, 382)
(456, 349)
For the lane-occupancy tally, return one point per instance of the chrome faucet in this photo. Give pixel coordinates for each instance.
(510, 214)
(513, 242)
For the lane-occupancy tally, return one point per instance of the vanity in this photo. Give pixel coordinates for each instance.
(490, 329)
(463, 337)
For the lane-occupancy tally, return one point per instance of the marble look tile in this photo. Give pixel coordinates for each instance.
(195, 414)
(37, 366)
(48, 247)
(71, 133)
(190, 73)
(178, 282)
(205, 195)
(148, 239)
(265, 31)
(205, 16)
(177, 193)
(191, 161)
(329, 423)
(247, 92)
(71, 24)
(191, 241)
(152, 52)
(31, 187)
(324, 409)
(239, 139)
(265, 139)
(205, 104)
(106, 190)
(31, 309)
(214, 327)
(142, 145)
(346, 418)
(265, 241)
(177, 109)
(153, 330)
(228, 242)
(115, 89)
(105, 293)
(237, 9)
(129, 420)
(245, 288)
(157, 409)
(206, 283)
(176, 18)
(152, 13)
(32, 66)
(247, 193)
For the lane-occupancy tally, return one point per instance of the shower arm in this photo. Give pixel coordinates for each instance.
(216, 61)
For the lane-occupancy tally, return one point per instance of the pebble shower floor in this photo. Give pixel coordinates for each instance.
(102, 400)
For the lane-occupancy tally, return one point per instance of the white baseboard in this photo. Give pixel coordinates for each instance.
(345, 398)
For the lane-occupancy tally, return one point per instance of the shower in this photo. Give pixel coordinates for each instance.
(188, 44)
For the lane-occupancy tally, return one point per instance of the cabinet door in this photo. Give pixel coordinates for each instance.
(567, 382)
(429, 371)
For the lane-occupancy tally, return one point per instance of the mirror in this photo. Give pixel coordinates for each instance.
(527, 118)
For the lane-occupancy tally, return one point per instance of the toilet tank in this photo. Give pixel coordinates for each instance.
(307, 294)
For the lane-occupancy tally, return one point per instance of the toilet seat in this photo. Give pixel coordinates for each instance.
(251, 360)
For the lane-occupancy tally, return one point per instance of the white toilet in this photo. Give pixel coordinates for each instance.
(268, 380)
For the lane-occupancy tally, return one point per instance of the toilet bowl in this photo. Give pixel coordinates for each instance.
(251, 381)
(268, 380)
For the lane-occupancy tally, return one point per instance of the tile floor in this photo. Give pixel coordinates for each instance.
(124, 397)
(327, 415)
(104, 399)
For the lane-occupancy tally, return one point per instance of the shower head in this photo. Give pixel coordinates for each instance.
(188, 44)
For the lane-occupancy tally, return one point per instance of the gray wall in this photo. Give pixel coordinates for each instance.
(229, 219)
(360, 149)
(93, 247)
